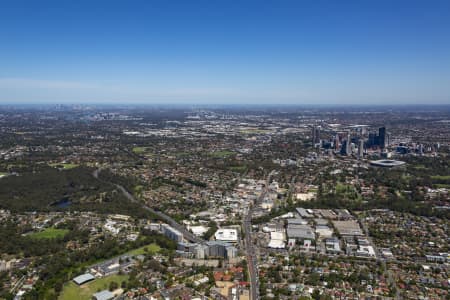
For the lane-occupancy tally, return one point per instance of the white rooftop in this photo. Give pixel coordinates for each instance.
(226, 235)
(277, 240)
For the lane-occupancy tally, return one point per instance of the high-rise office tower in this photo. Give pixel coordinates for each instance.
(382, 137)
(348, 145)
(361, 148)
(315, 132)
(343, 150)
(372, 139)
(313, 135)
(337, 143)
(317, 135)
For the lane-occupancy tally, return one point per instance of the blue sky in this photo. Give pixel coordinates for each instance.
(290, 52)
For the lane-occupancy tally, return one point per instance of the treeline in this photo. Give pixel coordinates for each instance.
(127, 182)
(157, 238)
(38, 190)
(13, 242)
(43, 190)
(212, 229)
(391, 201)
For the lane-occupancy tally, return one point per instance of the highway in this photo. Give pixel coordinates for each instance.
(187, 234)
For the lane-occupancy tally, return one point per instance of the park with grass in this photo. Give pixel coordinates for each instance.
(49, 233)
(147, 249)
(64, 166)
(143, 151)
(72, 291)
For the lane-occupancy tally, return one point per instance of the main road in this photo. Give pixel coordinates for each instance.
(252, 259)
(251, 256)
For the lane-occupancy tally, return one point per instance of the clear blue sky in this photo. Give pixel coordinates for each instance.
(291, 52)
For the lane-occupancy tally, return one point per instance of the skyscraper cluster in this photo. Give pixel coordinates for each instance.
(381, 139)
(352, 140)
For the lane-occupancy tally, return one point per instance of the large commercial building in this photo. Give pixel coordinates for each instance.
(361, 148)
(296, 221)
(348, 145)
(217, 249)
(187, 247)
(277, 240)
(303, 213)
(337, 142)
(171, 233)
(348, 228)
(226, 235)
(211, 249)
(315, 132)
(220, 249)
(82, 279)
(231, 251)
(382, 137)
(300, 232)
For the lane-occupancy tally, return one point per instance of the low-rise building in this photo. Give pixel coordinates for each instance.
(226, 235)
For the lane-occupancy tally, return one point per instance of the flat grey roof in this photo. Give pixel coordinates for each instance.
(103, 295)
(350, 227)
(303, 213)
(321, 221)
(322, 227)
(83, 278)
(300, 232)
(298, 221)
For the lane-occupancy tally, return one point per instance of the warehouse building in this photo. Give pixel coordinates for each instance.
(348, 228)
(300, 232)
(82, 279)
(277, 240)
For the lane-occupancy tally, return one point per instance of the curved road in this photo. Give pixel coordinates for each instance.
(187, 234)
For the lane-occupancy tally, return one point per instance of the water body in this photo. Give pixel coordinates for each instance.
(63, 203)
